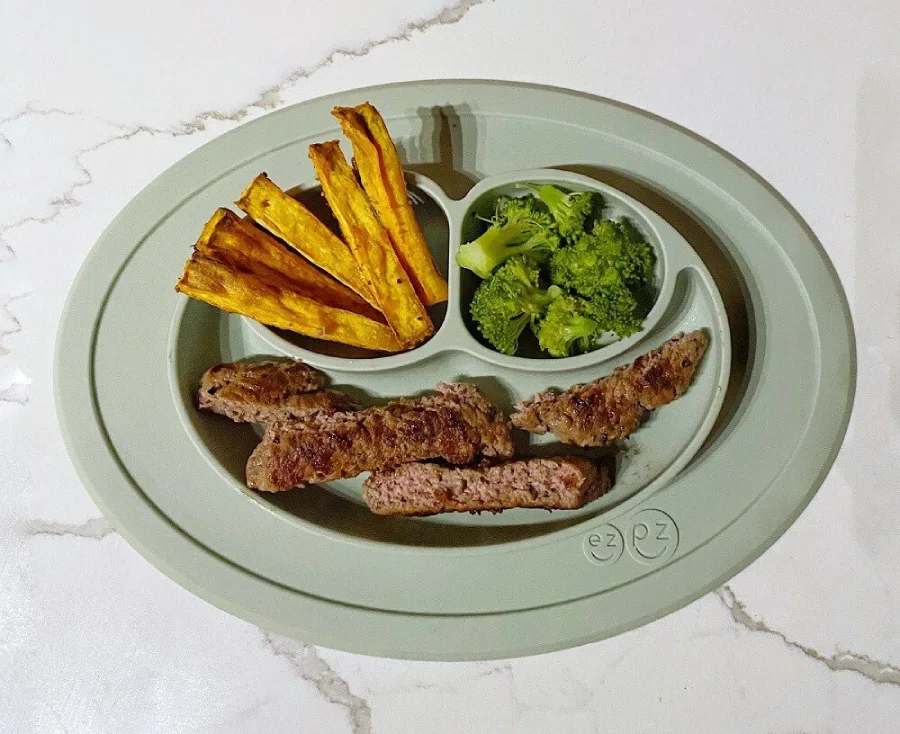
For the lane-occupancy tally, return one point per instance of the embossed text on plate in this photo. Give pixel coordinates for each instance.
(604, 546)
(651, 537)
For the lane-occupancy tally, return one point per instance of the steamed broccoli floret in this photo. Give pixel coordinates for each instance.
(616, 245)
(567, 327)
(572, 324)
(570, 211)
(512, 208)
(519, 225)
(638, 259)
(508, 301)
(613, 306)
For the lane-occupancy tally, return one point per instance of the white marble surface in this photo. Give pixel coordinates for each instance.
(97, 98)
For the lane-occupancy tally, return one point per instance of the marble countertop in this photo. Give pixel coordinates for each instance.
(96, 99)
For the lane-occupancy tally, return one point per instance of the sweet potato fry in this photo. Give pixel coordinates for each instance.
(288, 219)
(227, 233)
(371, 245)
(385, 183)
(235, 280)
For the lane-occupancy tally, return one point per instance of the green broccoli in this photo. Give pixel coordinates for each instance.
(617, 245)
(508, 208)
(570, 211)
(639, 261)
(613, 305)
(508, 301)
(567, 327)
(519, 225)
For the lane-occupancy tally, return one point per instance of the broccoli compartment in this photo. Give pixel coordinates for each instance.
(552, 263)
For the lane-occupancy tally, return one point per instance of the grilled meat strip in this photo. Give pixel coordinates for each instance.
(456, 425)
(268, 391)
(612, 407)
(560, 483)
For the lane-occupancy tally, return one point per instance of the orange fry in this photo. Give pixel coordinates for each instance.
(384, 181)
(288, 219)
(224, 273)
(371, 245)
(226, 233)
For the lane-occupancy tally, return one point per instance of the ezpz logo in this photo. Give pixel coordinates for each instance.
(651, 538)
(604, 546)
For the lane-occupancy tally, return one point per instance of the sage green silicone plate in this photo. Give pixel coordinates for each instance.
(703, 488)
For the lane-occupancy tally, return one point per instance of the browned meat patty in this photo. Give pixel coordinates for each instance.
(563, 483)
(612, 407)
(268, 391)
(456, 425)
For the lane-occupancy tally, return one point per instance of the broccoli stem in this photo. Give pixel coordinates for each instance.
(579, 327)
(554, 198)
(497, 244)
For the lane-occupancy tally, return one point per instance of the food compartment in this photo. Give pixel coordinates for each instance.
(480, 205)
(643, 463)
(686, 299)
